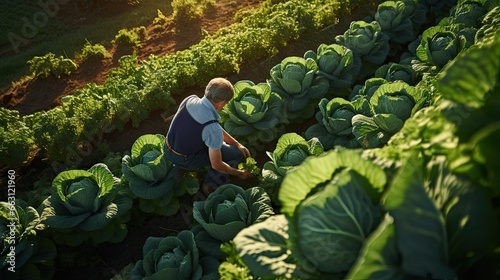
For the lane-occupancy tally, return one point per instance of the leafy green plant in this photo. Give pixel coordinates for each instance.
(397, 72)
(16, 136)
(437, 225)
(150, 176)
(250, 165)
(174, 257)
(291, 150)
(24, 252)
(329, 206)
(368, 43)
(392, 104)
(131, 36)
(334, 127)
(97, 51)
(295, 79)
(225, 212)
(44, 66)
(336, 63)
(86, 205)
(253, 114)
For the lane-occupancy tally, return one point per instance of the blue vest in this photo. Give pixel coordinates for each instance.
(184, 134)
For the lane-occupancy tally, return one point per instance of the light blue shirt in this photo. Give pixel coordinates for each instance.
(202, 111)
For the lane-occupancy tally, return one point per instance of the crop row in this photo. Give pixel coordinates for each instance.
(429, 177)
(65, 134)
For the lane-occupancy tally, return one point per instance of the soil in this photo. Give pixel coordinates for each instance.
(34, 95)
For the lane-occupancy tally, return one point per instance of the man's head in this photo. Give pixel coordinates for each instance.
(219, 91)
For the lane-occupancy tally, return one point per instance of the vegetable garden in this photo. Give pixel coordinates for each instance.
(382, 166)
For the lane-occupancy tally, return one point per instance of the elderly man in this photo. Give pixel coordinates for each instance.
(196, 139)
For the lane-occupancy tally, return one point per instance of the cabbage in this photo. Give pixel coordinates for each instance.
(174, 257)
(334, 125)
(336, 63)
(295, 79)
(397, 72)
(291, 150)
(86, 205)
(329, 206)
(225, 212)
(34, 254)
(253, 113)
(150, 176)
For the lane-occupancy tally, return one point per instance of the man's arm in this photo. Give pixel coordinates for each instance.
(233, 142)
(217, 164)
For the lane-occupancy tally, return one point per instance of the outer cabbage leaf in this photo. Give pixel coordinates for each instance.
(397, 72)
(87, 202)
(368, 89)
(174, 257)
(227, 211)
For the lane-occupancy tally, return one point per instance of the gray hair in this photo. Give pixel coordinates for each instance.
(219, 89)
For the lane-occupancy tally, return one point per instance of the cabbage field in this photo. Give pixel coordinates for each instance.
(375, 154)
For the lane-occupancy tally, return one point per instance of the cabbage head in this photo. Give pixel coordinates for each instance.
(295, 79)
(397, 72)
(392, 104)
(437, 47)
(334, 127)
(394, 22)
(86, 205)
(337, 64)
(291, 150)
(253, 113)
(469, 13)
(34, 254)
(150, 176)
(368, 89)
(368, 42)
(330, 205)
(174, 257)
(227, 211)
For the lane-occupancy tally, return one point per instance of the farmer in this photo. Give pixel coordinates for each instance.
(196, 139)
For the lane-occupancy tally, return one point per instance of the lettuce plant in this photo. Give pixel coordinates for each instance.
(33, 256)
(174, 257)
(254, 113)
(86, 205)
(225, 212)
(150, 176)
(334, 125)
(336, 63)
(329, 207)
(295, 79)
(368, 42)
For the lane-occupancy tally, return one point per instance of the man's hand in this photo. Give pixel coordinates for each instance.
(243, 174)
(244, 151)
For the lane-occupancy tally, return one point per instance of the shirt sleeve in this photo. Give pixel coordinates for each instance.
(212, 136)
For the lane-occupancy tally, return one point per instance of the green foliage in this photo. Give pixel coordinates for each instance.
(253, 114)
(150, 176)
(23, 248)
(250, 165)
(225, 212)
(96, 51)
(295, 79)
(44, 66)
(131, 36)
(291, 150)
(174, 257)
(185, 11)
(336, 63)
(86, 205)
(16, 136)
